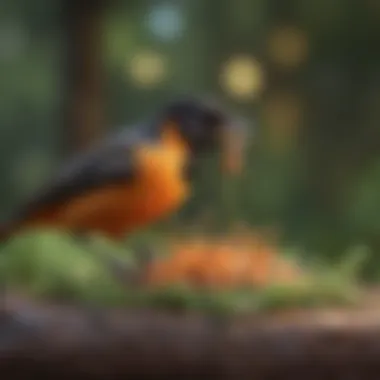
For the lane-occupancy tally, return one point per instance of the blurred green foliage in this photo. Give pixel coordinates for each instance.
(48, 265)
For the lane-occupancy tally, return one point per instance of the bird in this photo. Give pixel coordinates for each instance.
(136, 176)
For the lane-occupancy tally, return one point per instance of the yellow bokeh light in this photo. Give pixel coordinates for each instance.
(288, 47)
(242, 77)
(147, 68)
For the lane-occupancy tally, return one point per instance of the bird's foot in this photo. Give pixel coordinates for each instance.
(126, 273)
(144, 256)
(133, 275)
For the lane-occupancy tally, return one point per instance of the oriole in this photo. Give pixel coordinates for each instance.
(137, 176)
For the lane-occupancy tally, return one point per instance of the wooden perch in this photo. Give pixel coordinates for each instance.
(61, 342)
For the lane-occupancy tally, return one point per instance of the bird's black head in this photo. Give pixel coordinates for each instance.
(207, 127)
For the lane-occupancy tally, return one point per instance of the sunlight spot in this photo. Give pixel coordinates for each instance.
(242, 77)
(147, 68)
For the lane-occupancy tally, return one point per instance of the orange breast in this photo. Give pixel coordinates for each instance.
(158, 190)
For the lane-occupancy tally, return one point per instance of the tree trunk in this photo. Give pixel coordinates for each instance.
(83, 73)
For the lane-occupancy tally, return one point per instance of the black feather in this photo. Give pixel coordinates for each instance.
(102, 166)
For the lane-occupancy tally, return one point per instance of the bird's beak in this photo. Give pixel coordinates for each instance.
(234, 141)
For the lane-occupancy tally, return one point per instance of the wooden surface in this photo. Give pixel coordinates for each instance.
(62, 342)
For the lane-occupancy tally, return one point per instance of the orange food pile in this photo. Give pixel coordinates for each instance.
(233, 262)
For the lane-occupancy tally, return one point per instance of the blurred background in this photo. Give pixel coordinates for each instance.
(306, 74)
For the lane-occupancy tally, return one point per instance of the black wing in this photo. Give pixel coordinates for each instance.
(103, 166)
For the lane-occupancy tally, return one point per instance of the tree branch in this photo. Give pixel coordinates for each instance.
(157, 345)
